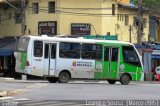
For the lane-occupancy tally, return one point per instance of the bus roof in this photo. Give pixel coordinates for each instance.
(80, 39)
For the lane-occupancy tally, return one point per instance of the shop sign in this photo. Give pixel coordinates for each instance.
(80, 29)
(101, 37)
(155, 56)
(47, 27)
(156, 52)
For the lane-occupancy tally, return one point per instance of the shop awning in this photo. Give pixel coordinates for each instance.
(7, 46)
(6, 52)
(155, 56)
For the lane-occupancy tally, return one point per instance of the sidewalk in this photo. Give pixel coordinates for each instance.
(6, 79)
(146, 82)
(3, 93)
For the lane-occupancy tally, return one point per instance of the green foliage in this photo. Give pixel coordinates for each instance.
(151, 4)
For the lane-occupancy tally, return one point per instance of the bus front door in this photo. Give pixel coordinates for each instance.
(111, 56)
(49, 58)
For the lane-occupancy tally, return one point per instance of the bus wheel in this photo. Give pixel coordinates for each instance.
(111, 81)
(52, 80)
(125, 79)
(64, 77)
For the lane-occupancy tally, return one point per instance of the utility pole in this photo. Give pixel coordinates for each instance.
(130, 30)
(140, 24)
(23, 20)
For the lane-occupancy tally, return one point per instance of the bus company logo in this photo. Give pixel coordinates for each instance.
(74, 63)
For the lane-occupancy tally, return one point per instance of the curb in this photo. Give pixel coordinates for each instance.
(146, 82)
(6, 79)
(3, 93)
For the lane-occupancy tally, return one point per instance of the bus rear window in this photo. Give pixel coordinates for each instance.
(23, 44)
(130, 56)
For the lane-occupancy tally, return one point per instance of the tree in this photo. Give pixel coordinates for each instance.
(151, 4)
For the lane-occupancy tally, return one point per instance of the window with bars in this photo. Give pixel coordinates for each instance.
(35, 8)
(10, 16)
(51, 7)
(0, 18)
(120, 17)
(126, 20)
(144, 22)
(135, 21)
(17, 18)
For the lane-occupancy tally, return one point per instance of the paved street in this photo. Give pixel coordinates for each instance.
(77, 92)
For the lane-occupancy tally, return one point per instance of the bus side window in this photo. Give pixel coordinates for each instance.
(38, 49)
(92, 51)
(99, 52)
(53, 51)
(106, 54)
(114, 54)
(46, 52)
(69, 50)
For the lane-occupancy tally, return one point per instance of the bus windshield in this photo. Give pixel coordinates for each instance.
(130, 56)
(23, 44)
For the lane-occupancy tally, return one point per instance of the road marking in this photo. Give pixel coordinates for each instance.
(38, 103)
(36, 86)
(50, 103)
(8, 97)
(63, 104)
(88, 82)
(22, 99)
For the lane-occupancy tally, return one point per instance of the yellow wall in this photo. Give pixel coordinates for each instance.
(123, 31)
(8, 26)
(157, 33)
(108, 21)
(43, 15)
(100, 24)
(64, 20)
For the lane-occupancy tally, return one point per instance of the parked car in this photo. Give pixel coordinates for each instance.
(157, 74)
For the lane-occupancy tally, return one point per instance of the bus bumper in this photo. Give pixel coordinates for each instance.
(142, 77)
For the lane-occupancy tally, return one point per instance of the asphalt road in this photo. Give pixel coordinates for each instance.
(78, 92)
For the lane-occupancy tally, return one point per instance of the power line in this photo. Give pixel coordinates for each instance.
(79, 13)
(10, 4)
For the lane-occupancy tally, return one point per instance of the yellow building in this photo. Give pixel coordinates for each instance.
(86, 17)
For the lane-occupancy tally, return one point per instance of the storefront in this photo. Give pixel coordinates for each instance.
(156, 58)
(7, 60)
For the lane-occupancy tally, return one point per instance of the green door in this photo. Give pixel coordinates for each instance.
(111, 56)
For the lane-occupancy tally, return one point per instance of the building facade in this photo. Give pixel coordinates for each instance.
(72, 17)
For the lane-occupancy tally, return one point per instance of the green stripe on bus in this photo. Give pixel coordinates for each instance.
(23, 59)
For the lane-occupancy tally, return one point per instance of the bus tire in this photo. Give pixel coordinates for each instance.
(52, 80)
(125, 79)
(111, 81)
(64, 77)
